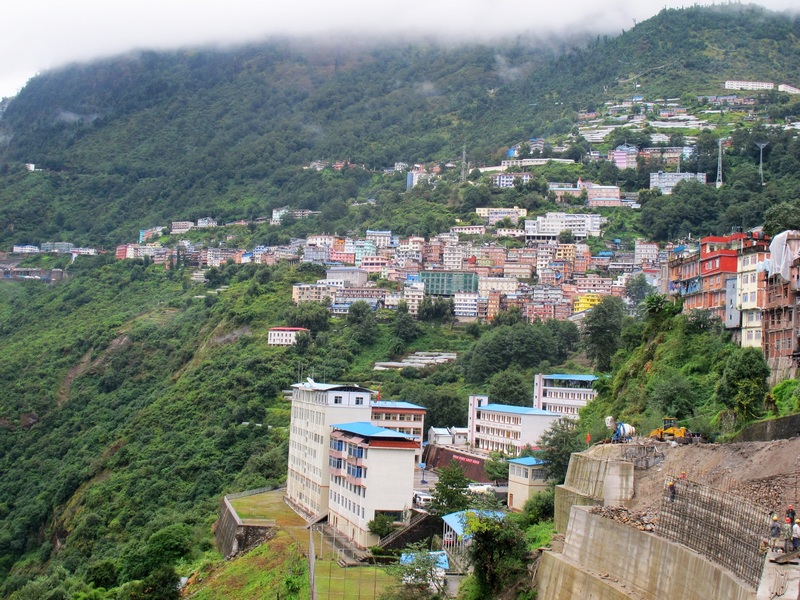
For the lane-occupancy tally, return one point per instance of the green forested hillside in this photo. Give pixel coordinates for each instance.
(140, 140)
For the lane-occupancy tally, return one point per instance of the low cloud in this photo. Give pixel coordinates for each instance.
(54, 32)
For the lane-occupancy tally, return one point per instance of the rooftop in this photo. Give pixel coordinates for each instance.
(396, 404)
(526, 461)
(458, 521)
(518, 410)
(365, 429)
(571, 377)
(310, 384)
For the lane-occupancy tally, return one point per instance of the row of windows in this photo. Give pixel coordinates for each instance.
(754, 335)
(562, 410)
(507, 433)
(396, 417)
(358, 401)
(496, 418)
(346, 504)
(585, 395)
(526, 472)
(339, 481)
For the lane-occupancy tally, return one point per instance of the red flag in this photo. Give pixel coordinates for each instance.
(379, 394)
(588, 438)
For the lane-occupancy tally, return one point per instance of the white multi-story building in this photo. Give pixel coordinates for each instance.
(502, 428)
(526, 477)
(492, 215)
(789, 89)
(283, 336)
(645, 252)
(465, 305)
(179, 227)
(312, 292)
(351, 276)
(371, 472)
(666, 181)
(749, 85)
(25, 249)
(547, 227)
(413, 294)
(563, 394)
(505, 285)
(506, 180)
(315, 407)
(381, 239)
(453, 256)
(206, 222)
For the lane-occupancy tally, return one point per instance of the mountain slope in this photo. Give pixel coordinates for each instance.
(139, 140)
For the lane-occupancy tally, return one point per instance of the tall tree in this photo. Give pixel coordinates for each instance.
(601, 331)
(450, 492)
(557, 444)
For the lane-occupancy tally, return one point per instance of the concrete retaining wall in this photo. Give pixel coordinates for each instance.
(233, 536)
(774, 429)
(647, 565)
(593, 481)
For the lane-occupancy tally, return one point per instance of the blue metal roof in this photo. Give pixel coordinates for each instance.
(572, 377)
(458, 521)
(526, 461)
(396, 404)
(518, 410)
(366, 429)
(442, 561)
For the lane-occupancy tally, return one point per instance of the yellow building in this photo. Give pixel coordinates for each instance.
(526, 477)
(586, 301)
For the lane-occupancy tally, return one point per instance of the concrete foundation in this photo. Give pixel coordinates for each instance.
(598, 478)
(605, 559)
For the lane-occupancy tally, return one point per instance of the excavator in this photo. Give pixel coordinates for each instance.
(670, 431)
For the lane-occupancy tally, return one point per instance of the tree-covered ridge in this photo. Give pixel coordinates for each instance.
(141, 140)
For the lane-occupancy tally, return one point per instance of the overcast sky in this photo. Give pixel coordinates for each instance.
(50, 33)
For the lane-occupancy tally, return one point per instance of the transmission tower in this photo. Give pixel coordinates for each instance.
(761, 146)
(719, 165)
(464, 164)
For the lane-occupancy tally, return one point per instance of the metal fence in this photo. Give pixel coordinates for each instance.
(724, 528)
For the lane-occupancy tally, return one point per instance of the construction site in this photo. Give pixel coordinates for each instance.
(652, 520)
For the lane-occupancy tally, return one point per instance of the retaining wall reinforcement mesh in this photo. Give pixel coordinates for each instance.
(726, 529)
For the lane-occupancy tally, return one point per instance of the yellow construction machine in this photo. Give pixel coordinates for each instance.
(670, 431)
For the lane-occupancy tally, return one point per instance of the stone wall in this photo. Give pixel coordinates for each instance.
(774, 429)
(636, 564)
(233, 536)
(596, 478)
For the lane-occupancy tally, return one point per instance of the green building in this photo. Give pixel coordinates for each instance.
(447, 283)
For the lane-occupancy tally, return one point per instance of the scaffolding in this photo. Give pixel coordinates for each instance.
(725, 529)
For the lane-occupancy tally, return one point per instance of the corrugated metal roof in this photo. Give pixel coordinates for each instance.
(527, 461)
(458, 521)
(367, 429)
(518, 410)
(573, 377)
(395, 404)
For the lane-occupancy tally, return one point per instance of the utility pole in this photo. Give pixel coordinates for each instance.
(761, 146)
(719, 165)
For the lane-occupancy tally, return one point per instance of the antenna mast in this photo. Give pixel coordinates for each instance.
(719, 165)
(761, 146)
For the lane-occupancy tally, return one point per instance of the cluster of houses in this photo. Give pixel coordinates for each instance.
(353, 456)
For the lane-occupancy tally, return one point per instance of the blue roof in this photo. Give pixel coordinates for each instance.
(458, 521)
(366, 429)
(518, 410)
(396, 404)
(572, 377)
(526, 461)
(442, 561)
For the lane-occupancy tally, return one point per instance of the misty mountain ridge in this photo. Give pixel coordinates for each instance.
(136, 140)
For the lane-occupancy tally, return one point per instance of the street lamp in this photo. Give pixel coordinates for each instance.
(422, 466)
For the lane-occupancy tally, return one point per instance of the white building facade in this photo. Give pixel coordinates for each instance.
(502, 428)
(315, 407)
(371, 472)
(563, 394)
